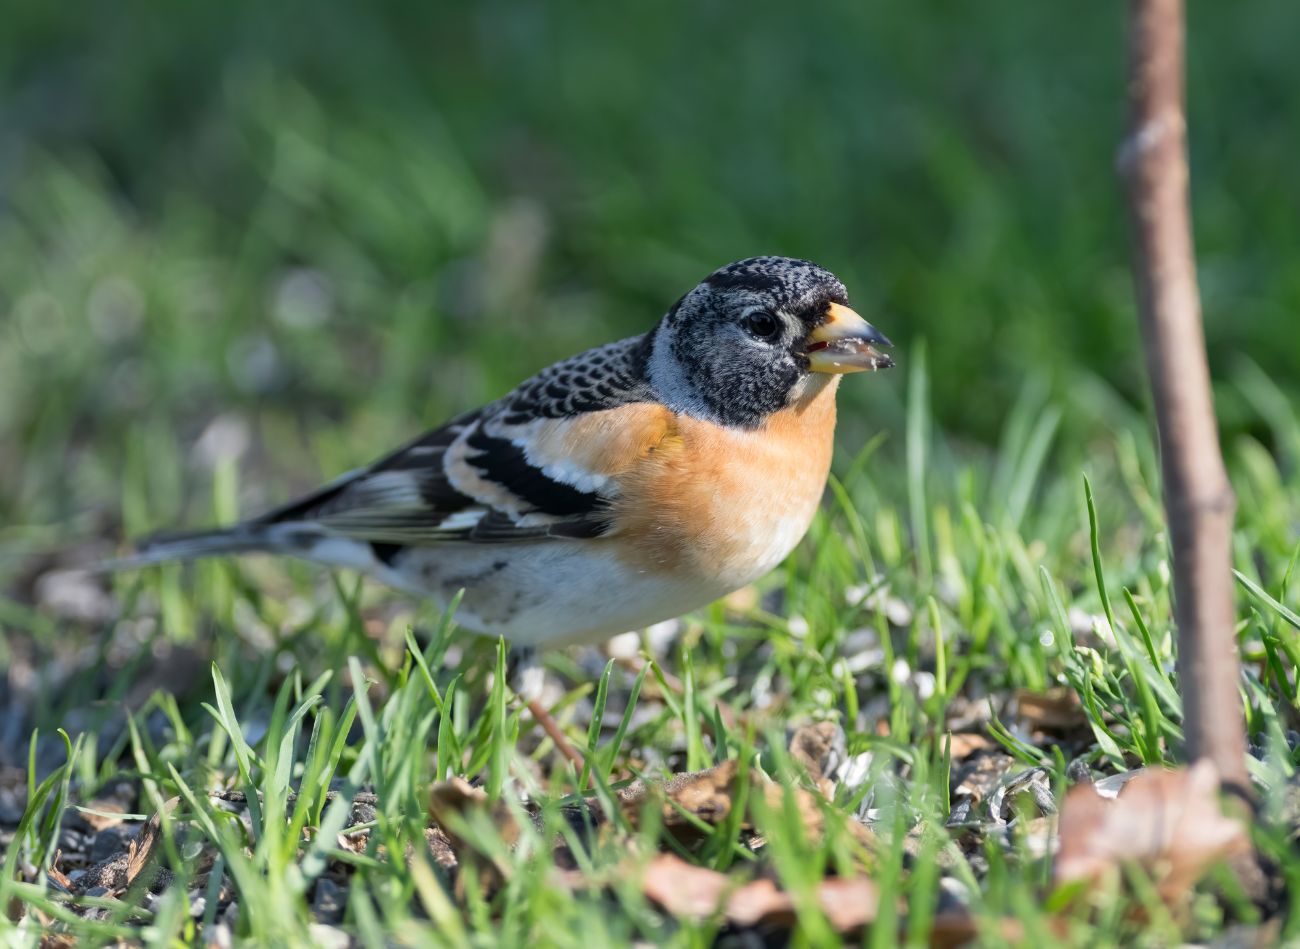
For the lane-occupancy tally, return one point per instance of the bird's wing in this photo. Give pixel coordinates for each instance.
(532, 465)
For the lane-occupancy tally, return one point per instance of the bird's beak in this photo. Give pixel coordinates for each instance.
(845, 342)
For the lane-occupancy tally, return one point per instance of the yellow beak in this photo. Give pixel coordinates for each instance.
(845, 342)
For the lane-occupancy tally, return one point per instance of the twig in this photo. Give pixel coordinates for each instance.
(1199, 501)
(552, 728)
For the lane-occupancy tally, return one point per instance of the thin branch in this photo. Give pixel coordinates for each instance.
(1198, 497)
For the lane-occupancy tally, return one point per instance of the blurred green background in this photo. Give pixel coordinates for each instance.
(325, 226)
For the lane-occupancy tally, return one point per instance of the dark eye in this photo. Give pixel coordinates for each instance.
(762, 325)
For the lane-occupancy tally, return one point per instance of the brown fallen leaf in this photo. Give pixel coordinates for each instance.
(440, 847)
(821, 748)
(100, 813)
(118, 871)
(452, 804)
(455, 798)
(760, 903)
(959, 927)
(709, 796)
(684, 801)
(1168, 822)
(964, 744)
(850, 903)
(356, 842)
(706, 794)
(684, 889)
(141, 849)
(1058, 710)
(57, 875)
(811, 808)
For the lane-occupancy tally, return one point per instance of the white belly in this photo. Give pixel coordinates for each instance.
(553, 592)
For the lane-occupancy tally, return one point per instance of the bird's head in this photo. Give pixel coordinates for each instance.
(757, 336)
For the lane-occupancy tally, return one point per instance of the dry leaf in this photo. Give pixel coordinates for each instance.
(850, 903)
(458, 798)
(141, 849)
(959, 927)
(57, 875)
(760, 903)
(1168, 822)
(821, 747)
(964, 745)
(119, 870)
(1057, 710)
(709, 795)
(699, 893)
(440, 847)
(355, 842)
(811, 810)
(100, 813)
(451, 803)
(684, 889)
(706, 794)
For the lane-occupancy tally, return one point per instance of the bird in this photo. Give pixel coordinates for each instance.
(623, 486)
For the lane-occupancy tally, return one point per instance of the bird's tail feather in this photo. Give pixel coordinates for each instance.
(301, 539)
(192, 545)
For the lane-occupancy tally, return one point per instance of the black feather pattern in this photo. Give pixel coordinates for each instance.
(601, 378)
(504, 463)
(408, 498)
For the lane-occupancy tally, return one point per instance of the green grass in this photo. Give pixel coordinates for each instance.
(341, 700)
(239, 256)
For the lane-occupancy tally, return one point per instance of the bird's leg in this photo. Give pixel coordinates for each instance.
(527, 675)
(527, 680)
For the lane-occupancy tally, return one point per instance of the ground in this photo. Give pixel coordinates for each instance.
(923, 706)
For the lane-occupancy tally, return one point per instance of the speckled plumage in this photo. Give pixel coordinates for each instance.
(621, 486)
(601, 378)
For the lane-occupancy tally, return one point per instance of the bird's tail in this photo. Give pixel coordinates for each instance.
(173, 546)
(303, 539)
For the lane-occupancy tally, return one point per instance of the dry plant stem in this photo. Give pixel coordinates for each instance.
(637, 664)
(1199, 501)
(544, 718)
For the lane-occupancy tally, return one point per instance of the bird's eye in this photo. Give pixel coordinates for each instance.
(762, 325)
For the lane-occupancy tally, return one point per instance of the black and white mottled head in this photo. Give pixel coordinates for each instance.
(746, 342)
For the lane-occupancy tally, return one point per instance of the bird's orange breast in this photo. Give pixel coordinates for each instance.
(725, 505)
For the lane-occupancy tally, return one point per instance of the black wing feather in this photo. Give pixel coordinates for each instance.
(504, 463)
(407, 497)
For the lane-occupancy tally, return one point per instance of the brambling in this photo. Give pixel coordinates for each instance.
(618, 488)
